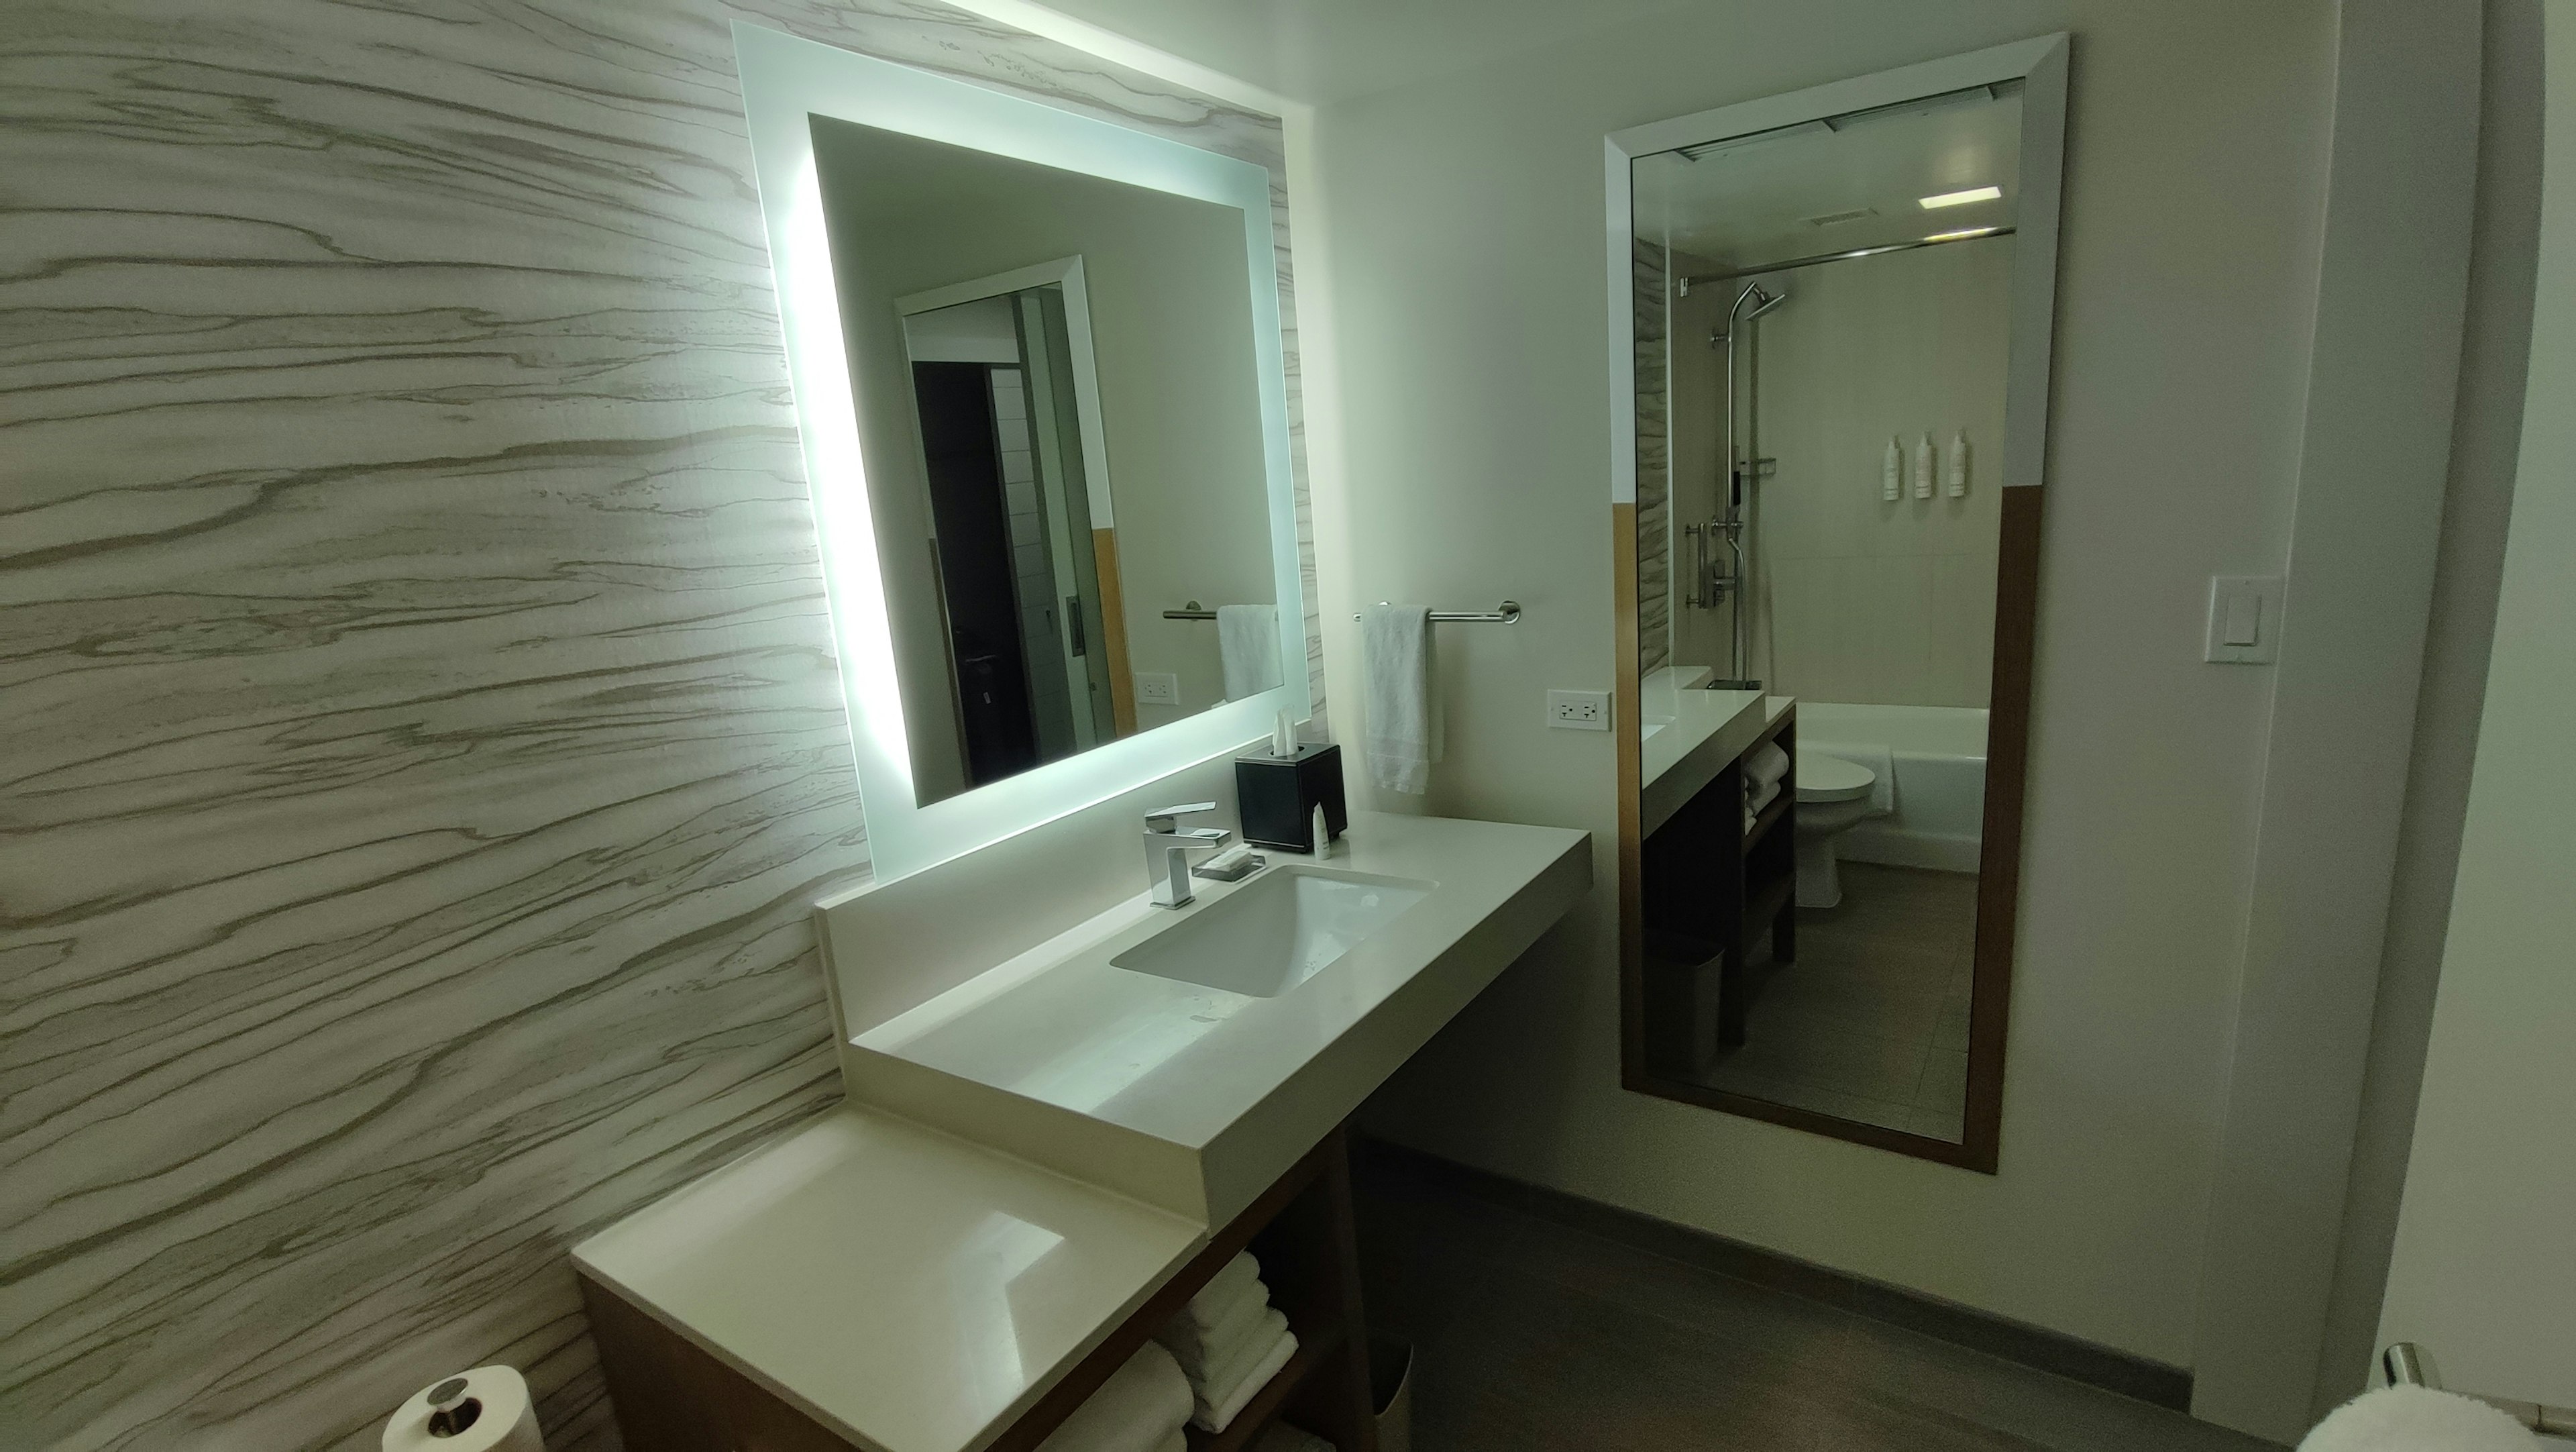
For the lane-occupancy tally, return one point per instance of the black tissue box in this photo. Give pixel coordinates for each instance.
(1278, 796)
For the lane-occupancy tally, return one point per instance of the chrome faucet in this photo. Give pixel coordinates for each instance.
(1167, 850)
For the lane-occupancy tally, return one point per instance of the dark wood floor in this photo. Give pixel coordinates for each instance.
(1533, 1337)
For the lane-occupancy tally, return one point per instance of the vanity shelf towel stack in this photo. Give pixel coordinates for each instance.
(1229, 1342)
(1141, 1408)
(1764, 766)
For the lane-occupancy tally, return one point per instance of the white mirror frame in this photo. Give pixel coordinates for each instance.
(1066, 273)
(784, 81)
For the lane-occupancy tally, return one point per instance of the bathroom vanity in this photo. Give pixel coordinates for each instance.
(1043, 384)
(1040, 1162)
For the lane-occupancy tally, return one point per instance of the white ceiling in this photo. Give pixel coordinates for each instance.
(1331, 50)
(1756, 204)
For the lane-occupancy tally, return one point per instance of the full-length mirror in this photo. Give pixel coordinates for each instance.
(1039, 372)
(1838, 312)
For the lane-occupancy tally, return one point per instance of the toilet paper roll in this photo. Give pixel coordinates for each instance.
(504, 1419)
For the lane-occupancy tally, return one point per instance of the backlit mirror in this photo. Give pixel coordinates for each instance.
(1038, 368)
(1840, 305)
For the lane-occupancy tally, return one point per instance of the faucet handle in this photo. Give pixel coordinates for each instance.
(1165, 819)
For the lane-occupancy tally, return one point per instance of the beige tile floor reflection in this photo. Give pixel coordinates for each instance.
(1871, 1022)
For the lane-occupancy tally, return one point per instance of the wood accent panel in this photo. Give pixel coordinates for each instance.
(672, 1395)
(1113, 631)
(1627, 707)
(1999, 850)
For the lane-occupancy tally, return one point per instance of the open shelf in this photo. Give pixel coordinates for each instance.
(1267, 1403)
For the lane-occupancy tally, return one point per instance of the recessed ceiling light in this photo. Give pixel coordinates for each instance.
(1963, 235)
(1961, 199)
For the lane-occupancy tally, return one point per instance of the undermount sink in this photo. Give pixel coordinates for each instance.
(1276, 932)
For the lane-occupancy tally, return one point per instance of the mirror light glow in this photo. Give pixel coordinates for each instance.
(785, 82)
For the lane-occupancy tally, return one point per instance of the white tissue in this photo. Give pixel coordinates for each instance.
(508, 1422)
(1283, 737)
(1923, 468)
(1959, 464)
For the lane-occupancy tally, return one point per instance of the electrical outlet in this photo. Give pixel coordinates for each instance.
(1157, 688)
(1579, 710)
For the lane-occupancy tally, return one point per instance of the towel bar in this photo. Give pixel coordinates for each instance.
(1508, 613)
(1191, 611)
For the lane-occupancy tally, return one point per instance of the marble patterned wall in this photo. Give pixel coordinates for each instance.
(422, 736)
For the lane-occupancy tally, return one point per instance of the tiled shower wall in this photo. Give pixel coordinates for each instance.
(1654, 459)
(422, 733)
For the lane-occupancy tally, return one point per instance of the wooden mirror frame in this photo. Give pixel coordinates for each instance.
(2040, 65)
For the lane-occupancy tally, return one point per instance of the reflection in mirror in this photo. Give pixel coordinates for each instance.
(1823, 351)
(1058, 400)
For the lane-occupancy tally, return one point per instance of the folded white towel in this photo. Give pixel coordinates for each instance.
(1880, 761)
(1226, 1368)
(1213, 1411)
(1139, 1408)
(1403, 704)
(2417, 1419)
(1195, 1346)
(1767, 764)
(1224, 1293)
(1247, 645)
(1180, 1441)
(1753, 805)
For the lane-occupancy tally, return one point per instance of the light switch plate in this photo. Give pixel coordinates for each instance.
(1158, 688)
(1579, 710)
(2244, 619)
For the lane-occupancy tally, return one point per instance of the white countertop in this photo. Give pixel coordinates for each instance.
(1028, 1156)
(1196, 1098)
(1690, 734)
(908, 1290)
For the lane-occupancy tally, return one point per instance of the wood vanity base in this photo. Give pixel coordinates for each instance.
(673, 1396)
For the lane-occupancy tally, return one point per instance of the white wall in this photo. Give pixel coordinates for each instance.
(2485, 1265)
(1461, 225)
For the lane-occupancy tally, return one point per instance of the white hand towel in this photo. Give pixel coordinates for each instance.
(1226, 1290)
(2417, 1419)
(1197, 1348)
(1179, 1442)
(1137, 1410)
(1880, 761)
(1213, 1412)
(1247, 643)
(1766, 765)
(1403, 702)
(1225, 1368)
